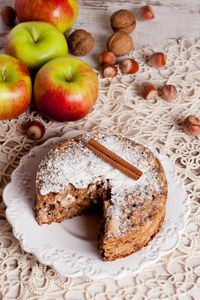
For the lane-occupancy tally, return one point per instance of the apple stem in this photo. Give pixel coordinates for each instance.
(4, 74)
(69, 78)
(33, 33)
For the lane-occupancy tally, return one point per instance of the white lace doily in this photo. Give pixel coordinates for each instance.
(119, 108)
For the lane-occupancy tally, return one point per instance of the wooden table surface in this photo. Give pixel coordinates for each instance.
(173, 19)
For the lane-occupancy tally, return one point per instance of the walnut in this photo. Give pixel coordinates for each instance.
(80, 42)
(120, 43)
(123, 20)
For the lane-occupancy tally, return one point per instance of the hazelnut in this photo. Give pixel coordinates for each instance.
(120, 43)
(169, 92)
(8, 15)
(80, 42)
(191, 125)
(145, 13)
(35, 130)
(113, 225)
(148, 90)
(109, 70)
(129, 66)
(157, 60)
(123, 20)
(107, 57)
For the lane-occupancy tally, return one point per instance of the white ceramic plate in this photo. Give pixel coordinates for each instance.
(71, 247)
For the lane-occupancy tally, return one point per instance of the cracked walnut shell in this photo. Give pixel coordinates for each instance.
(120, 43)
(80, 42)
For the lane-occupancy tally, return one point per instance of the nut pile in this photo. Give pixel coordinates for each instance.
(120, 43)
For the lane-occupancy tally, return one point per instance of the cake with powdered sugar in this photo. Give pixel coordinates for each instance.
(71, 180)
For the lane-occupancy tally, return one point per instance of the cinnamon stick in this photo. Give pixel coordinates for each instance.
(113, 159)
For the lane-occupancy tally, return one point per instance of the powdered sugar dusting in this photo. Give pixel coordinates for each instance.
(78, 165)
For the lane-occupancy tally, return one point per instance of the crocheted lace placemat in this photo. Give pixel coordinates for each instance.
(120, 108)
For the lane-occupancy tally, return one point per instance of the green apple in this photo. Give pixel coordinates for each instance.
(35, 43)
(15, 87)
(65, 89)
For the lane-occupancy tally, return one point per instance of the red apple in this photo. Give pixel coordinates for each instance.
(60, 13)
(65, 89)
(15, 87)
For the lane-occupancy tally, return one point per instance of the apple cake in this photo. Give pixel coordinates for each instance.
(71, 180)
